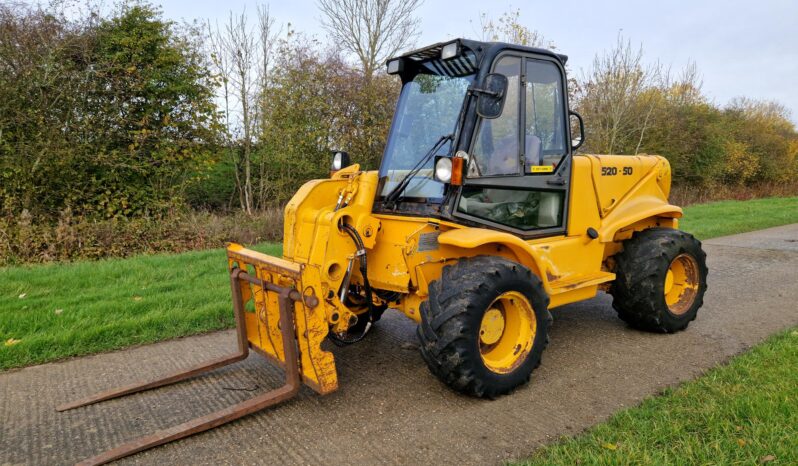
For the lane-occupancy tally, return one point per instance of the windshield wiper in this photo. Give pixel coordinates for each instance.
(396, 193)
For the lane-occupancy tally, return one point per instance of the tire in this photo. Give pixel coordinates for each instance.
(452, 330)
(641, 287)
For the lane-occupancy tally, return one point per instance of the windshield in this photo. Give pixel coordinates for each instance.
(427, 110)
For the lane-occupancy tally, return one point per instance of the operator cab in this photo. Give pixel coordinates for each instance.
(481, 135)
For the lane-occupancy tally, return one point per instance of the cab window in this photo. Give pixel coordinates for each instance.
(544, 117)
(524, 209)
(496, 148)
(512, 155)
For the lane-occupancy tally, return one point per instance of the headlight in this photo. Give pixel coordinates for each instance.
(340, 160)
(443, 169)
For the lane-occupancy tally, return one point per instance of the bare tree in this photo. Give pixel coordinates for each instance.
(617, 96)
(245, 62)
(269, 35)
(241, 54)
(233, 55)
(508, 28)
(222, 68)
(373, 30)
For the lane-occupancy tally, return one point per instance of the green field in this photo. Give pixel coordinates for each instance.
(730, 217)
(50, 312)
(53, 311)
(743, 413)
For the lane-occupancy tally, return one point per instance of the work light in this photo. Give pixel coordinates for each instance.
(340, 160)
(450, 51)
(395, 66)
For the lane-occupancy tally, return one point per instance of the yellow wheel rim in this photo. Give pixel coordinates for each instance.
(492, 326)
(681, 284)
(507, 332)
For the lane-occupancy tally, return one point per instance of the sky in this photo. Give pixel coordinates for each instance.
(741, 48)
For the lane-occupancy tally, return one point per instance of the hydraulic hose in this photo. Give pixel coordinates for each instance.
(361, 255)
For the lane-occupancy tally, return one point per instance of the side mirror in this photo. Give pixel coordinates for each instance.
(490, 101)
(577, 142)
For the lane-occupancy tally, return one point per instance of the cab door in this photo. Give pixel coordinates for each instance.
(518, 168)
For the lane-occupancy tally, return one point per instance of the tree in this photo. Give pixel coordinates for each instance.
(373, 30)
(108, 117)
(155, 104)
(616, 100)
(632, 108)
(241, 55)
(244, 58)
(316, 102)
(508, 28)
(768, 137)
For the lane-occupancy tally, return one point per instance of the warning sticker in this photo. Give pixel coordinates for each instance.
(541, 169)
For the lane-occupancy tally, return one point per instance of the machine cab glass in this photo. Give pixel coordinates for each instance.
(516, 157)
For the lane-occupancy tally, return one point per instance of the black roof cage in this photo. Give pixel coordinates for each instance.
(471, 61)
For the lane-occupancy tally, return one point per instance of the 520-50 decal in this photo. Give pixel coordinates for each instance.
(612, 171)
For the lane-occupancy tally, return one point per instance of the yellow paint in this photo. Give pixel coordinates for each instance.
(615, 195)
(492, 326)
(621, 200)
(317, 366)
(510, 327)
(668, 282)
(681, 283)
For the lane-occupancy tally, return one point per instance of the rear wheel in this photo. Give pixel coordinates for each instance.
(484, 326)
(661, 277)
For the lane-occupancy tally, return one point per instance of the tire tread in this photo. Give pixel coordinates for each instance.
(641, 266)
(447, 323)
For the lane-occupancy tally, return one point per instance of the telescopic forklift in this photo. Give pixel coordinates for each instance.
(480, 219)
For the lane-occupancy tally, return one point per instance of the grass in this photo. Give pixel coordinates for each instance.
(730, 217)
(741, 413)
(54, 311)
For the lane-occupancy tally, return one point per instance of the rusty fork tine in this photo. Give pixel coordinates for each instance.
(223, 416)
(243, 352)
(140, 387)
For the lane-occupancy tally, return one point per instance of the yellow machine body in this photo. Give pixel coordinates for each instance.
(406, 253)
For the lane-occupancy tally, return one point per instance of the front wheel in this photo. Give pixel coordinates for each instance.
(661, 277)
(485, 325)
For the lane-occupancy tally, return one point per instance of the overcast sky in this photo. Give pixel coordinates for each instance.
(741, 48)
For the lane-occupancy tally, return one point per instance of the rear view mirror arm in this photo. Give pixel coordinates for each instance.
(478, 90)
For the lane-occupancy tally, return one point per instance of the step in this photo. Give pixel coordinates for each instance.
(574, 282)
